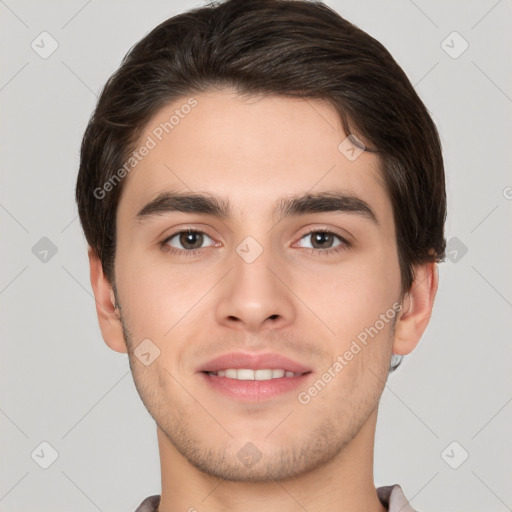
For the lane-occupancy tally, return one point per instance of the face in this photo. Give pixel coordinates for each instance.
(270, 301)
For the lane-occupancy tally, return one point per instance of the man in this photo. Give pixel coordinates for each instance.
(263, 195)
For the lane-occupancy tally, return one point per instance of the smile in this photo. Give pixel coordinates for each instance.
(248, 374)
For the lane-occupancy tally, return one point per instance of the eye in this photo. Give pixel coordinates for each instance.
(186, 240)
(325, 241)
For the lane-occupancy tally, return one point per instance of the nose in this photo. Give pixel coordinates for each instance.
(254, 296)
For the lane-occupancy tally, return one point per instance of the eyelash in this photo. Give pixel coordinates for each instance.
(342, 247)
(324, 252)
(182, 252)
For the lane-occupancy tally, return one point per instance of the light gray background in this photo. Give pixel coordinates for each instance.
(61, 384)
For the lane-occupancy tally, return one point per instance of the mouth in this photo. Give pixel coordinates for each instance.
(253, 377)
(249, 374)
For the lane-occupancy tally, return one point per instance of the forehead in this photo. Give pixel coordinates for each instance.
(252, 149)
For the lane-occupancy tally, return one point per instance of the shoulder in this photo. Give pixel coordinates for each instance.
(392, 497)
(150, 504)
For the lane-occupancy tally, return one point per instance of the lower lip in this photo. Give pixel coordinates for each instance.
(254, 390)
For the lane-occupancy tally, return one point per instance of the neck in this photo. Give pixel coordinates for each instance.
(343, 484)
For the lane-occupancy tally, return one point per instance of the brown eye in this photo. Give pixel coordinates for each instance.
(323, 240)
(187, 240)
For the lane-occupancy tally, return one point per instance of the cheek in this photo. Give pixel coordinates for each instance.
(358, 304)
(155, 296)
(352, 295)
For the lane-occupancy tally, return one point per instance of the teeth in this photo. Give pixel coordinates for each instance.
(248, 374)
(245, 374)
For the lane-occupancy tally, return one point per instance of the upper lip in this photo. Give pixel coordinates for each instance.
(254, 362)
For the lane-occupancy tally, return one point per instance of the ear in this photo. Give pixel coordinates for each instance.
(417, 309)
(106, 309)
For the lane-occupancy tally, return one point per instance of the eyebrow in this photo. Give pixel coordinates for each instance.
(333, 201)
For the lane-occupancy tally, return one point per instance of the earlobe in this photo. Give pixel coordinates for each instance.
(106, 308)
(417, 309)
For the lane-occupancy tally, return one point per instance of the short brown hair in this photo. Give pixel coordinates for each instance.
(292, 48)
